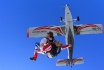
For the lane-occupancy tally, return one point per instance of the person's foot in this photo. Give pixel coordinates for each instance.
(32, 58)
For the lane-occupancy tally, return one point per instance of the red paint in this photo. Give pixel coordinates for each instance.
(45, 47)
(35, 55)
(65, 46)
(57, 29)
(27, 32)
(75, 60)
(65, 61)
(85, 26)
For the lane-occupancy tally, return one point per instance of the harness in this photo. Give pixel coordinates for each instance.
(55, 50)
(50, 41)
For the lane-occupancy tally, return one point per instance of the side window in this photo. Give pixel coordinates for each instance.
(94, 29)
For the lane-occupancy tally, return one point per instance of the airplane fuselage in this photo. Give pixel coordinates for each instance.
(69, 33)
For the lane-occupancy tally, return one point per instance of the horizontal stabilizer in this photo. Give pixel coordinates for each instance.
(65, 62)
(62, 62)
(78, 61)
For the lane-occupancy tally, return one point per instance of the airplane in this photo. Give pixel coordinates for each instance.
(69, 30)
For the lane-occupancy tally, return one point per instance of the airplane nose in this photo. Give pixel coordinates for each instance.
(67, 4)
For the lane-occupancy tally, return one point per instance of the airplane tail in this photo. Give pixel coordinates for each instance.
(66, 62)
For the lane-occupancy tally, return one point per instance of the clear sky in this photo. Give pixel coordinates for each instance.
(18, 15)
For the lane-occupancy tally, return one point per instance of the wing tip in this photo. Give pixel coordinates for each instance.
(103, 29)
(27, 34)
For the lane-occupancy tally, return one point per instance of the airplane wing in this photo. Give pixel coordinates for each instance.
(42, 31)
(60, 30)
(88, 29)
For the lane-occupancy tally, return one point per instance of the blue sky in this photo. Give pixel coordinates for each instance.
(18, 15)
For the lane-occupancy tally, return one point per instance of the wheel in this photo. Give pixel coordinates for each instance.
(78, 19)
(61, 18)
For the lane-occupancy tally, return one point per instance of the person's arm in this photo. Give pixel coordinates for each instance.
(43, 42)
(42, 45)
(64, 46)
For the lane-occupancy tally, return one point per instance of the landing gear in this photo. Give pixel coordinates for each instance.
(78, 19)
(61, 19)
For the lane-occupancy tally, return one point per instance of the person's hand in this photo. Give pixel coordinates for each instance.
(70, 45)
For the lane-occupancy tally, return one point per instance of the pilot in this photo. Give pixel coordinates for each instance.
(50, 46)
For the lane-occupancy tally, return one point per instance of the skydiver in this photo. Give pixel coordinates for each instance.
(49, 46)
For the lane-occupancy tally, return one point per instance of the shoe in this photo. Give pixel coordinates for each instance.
(32, 58)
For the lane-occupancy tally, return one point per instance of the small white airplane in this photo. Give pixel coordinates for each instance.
(68, 30)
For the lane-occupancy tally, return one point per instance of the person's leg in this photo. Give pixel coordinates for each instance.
(47, 47)
(53, 50)
(44, 49)
(35, 55)
(36, 50)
